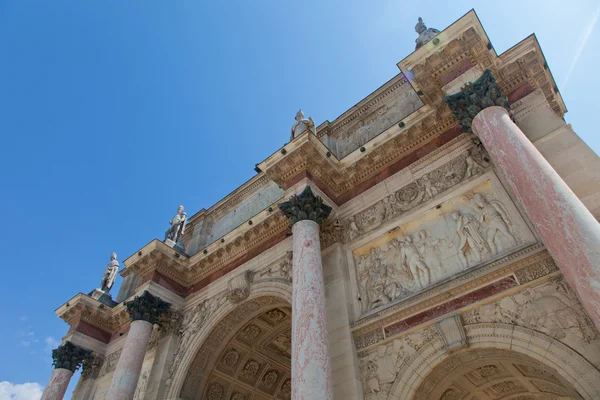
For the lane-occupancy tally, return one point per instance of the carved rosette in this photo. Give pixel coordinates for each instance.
(474, 97)
(147, 308)
(305, 206)
(91, 366)
(69, 356)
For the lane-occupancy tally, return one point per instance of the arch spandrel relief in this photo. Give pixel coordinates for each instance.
(459, 234)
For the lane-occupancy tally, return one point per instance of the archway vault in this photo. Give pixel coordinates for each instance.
(494, 374)
(204, 358)
(578, 378)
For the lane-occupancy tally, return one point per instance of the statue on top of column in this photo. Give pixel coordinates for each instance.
(110, 273)
(177, 229)
(425, 33)
(302, 125)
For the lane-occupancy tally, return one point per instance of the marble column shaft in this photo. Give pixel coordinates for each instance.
(569, 231)
(129, 367)
(311, 364)
(57, 387)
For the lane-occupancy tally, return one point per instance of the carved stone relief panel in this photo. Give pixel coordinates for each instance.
(378, 120)
(432, 184)
(460, 233)
(380, 367)
(551, 308)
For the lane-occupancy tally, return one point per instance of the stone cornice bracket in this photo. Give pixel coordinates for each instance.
(147, 308)
(453, 333)
(69, 356)
(305, 206)
(474, 97)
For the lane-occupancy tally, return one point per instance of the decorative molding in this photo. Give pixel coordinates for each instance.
(471, 163)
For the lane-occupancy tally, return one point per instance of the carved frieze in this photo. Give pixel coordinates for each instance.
(458, 234)
(192, 323)
(380, 367)
(550, 307)
(110, 362)
(428, 186)
(280, 269)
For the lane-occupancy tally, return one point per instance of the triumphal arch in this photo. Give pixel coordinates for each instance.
(438, 240)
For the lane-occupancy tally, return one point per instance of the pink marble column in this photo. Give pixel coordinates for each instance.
(129, 367)
(569, 231)
(57, 387)
(311, 364)
(145, 311)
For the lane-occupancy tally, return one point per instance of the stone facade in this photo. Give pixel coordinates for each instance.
(392, 239)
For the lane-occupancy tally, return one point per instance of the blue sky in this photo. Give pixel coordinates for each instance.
(114, 112)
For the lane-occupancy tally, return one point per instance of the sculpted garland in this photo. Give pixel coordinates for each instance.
(428, 186)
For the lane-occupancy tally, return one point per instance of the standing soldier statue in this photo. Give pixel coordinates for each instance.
(177, 229)
(110, 273)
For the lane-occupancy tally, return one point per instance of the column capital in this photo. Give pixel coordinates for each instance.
(69, 356)
(147, 307)
(305, 206)
(474, 97)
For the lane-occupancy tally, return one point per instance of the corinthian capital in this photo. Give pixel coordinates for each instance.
(69, 356)
(474, 97)
(305, 206)
(147, 308)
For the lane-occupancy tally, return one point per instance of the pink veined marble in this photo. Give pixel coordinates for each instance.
(128, 368)
(568, 229)
(311, 364)
(57, 387)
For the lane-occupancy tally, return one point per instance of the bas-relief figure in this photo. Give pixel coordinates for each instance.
(177, 228)
(281, 269)
(551, 308)
(428, 186)
(110, 274)
(457, 235)
(302, 125)
(380, 367)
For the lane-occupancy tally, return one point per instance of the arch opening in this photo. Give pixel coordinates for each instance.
(494, 374)
(245, 354)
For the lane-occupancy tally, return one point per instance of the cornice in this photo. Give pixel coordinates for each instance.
(87, 309)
